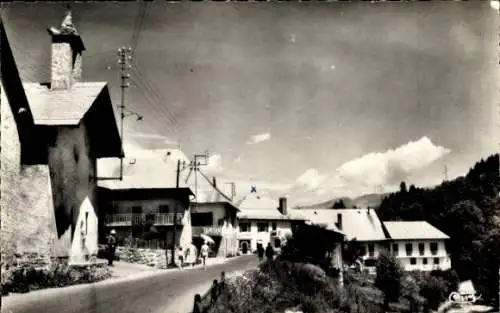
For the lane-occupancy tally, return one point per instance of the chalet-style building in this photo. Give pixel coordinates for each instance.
(418, 245)
(51, 137)
(149, 205)
(213, 213)
(263, 221)
(362, 225)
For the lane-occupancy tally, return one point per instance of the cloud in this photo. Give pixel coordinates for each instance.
(311, 179)
(389, 168)
(155, 137)
(373, 172)
(259, 138)
(214, 164)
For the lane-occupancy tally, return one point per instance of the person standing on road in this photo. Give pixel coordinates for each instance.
(269, 252)
(111, 246)
(260, 252)
(180, 255)
(204, 254)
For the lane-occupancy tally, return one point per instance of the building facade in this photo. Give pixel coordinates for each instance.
(361, 225)
(153, 218)
(418, 245)
(150, 211)
(258, 226)
(51, 140)
(213, 213)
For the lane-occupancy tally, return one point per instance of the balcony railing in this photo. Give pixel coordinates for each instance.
(129, 219)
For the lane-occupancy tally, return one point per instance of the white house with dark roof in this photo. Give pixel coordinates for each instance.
(263, 221)
(52, 135)
(418, 245)
(213, 213)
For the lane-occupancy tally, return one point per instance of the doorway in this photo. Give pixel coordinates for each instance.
(244, 247)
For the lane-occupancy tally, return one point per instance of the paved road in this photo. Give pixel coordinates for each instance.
(164, 292)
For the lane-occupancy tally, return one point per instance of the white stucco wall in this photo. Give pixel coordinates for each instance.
(441, 255)
(254, 236)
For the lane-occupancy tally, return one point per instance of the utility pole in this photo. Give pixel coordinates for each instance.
(196, 164)
(445, 173)
(124, 58)
(178, 173)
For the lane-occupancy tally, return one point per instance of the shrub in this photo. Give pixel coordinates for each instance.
(388, 278)
(22, 279)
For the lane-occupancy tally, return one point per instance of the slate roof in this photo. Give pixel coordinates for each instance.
(256, 206)
(270, 214)
(400, 230)
(257, 201)
(62, 107)
(362, 224)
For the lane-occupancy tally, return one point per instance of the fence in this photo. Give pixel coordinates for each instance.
(202, 303)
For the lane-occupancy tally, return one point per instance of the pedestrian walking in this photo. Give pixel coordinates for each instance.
(204, 254)
(260, 252)
(269, 252)
(111, 247)
(180, 256)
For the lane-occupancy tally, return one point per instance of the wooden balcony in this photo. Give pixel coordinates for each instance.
(129, 219)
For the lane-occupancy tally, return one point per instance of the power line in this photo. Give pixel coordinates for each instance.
(160, 99)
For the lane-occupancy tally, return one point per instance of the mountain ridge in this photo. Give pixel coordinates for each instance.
(368, 200)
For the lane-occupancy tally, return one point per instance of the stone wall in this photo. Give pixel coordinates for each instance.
(61, 67)
(150, 257)
(27, 211)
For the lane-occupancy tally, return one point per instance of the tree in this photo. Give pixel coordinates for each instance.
(388, 280)
(351, 251)
(402, 187)
(339, 204)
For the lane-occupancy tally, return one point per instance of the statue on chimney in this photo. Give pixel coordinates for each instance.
(67, 27)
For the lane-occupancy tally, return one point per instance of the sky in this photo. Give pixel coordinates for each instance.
(307, 100)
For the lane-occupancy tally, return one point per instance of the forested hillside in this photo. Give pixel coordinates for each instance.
(467, 209)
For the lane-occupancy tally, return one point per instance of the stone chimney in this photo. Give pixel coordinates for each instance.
(282, 208)
(66, 55)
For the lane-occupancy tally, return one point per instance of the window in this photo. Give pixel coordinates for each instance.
(421, 248)
(436, 261)
(137, 209)
(274, 226)
(244, 227)
(413, 261)
(164, 209)
(262, 227)
(424, 261)
(395, 249)
(277, 243)
(202, 219)
(371, 249)
(434, 248)
(220, 222)
(409, 249)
